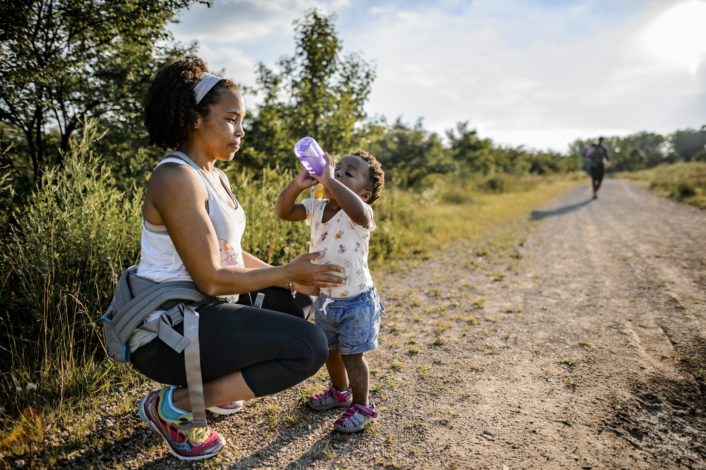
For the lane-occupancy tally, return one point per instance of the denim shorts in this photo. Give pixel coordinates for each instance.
(351, 325)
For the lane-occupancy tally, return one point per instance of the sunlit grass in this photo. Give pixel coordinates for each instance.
(409, 229)
(684, 182)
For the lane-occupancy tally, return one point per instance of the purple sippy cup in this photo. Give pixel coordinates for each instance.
(310, 155)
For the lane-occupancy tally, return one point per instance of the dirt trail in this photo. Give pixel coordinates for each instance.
(582, 347)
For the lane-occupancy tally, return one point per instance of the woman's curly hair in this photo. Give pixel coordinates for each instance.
(170, 106)
(376, 176)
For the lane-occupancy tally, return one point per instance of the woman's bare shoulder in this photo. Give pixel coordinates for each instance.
(174, 175)
(172, 182)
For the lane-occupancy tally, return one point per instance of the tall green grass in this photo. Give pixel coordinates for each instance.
(65, 249)
(684, 181)
(412, 224)
(270, 239)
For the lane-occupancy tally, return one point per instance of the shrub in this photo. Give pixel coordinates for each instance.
(682, 181)
(495, 184)
(66, 247)
(273, 240)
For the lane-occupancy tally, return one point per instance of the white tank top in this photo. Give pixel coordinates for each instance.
(159, 260)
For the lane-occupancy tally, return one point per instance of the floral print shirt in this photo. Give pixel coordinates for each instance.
(344, 243)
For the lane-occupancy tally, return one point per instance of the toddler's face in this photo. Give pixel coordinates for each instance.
(354, 173)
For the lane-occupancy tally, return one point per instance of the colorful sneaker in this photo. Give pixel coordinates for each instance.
(331, 398)
(190, 444)
(228, 408)
(355, 418)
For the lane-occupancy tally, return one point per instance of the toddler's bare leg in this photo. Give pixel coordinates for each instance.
(336, 369)
(357, 368)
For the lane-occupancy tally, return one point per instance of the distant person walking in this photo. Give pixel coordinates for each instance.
(597, 158)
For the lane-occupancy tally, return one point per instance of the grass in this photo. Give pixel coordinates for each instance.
(409, 228)
(684, 181)
(569, 361)
(419, 228)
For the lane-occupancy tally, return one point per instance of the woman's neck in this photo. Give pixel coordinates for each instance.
(198, 155)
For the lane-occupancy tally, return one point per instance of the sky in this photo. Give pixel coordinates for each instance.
(536, 73)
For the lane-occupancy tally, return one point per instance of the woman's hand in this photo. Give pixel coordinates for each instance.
(302, 271)
(307, 290)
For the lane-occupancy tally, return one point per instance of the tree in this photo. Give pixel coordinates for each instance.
(408, 154)
(472, 153)
(65, 60)
(318, 92)
(689, 143)
(636, 151)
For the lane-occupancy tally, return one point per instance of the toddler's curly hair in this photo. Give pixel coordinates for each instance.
(170, 105)
(376, 176)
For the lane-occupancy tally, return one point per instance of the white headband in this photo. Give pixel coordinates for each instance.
(204, 85)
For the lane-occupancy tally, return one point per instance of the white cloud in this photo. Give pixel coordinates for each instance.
(231, 62)
(532, 73)
(232, 21)
(234, 35)
(541, 77)
(678, 35)
(246, 20)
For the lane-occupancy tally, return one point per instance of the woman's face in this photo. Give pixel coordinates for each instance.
(221, 130)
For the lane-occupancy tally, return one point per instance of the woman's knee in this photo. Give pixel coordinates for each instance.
(319, 347)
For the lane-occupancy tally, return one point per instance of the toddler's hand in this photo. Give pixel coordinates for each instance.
(304, 180)
(328, 173)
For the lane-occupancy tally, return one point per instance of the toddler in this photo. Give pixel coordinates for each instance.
(349, 314)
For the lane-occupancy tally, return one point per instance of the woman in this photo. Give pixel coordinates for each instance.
(192, 226)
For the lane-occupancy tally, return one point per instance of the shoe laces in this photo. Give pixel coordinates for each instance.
(197, 435)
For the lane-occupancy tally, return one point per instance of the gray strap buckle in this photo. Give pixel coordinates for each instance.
(259, 299)
(192, 358)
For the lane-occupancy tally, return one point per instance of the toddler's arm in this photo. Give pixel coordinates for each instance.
(286, 207)
(357, 209)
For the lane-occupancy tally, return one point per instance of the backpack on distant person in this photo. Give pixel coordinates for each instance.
(594, 155)
(587, 157)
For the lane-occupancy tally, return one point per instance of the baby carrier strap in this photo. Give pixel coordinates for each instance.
(134, 300)
(146, 296)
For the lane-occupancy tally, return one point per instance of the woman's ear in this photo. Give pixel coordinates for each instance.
(197, 124)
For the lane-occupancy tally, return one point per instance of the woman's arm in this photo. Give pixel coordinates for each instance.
(252, 261)
(176, 198)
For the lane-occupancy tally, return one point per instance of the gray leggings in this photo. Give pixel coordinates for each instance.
(273, 350)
